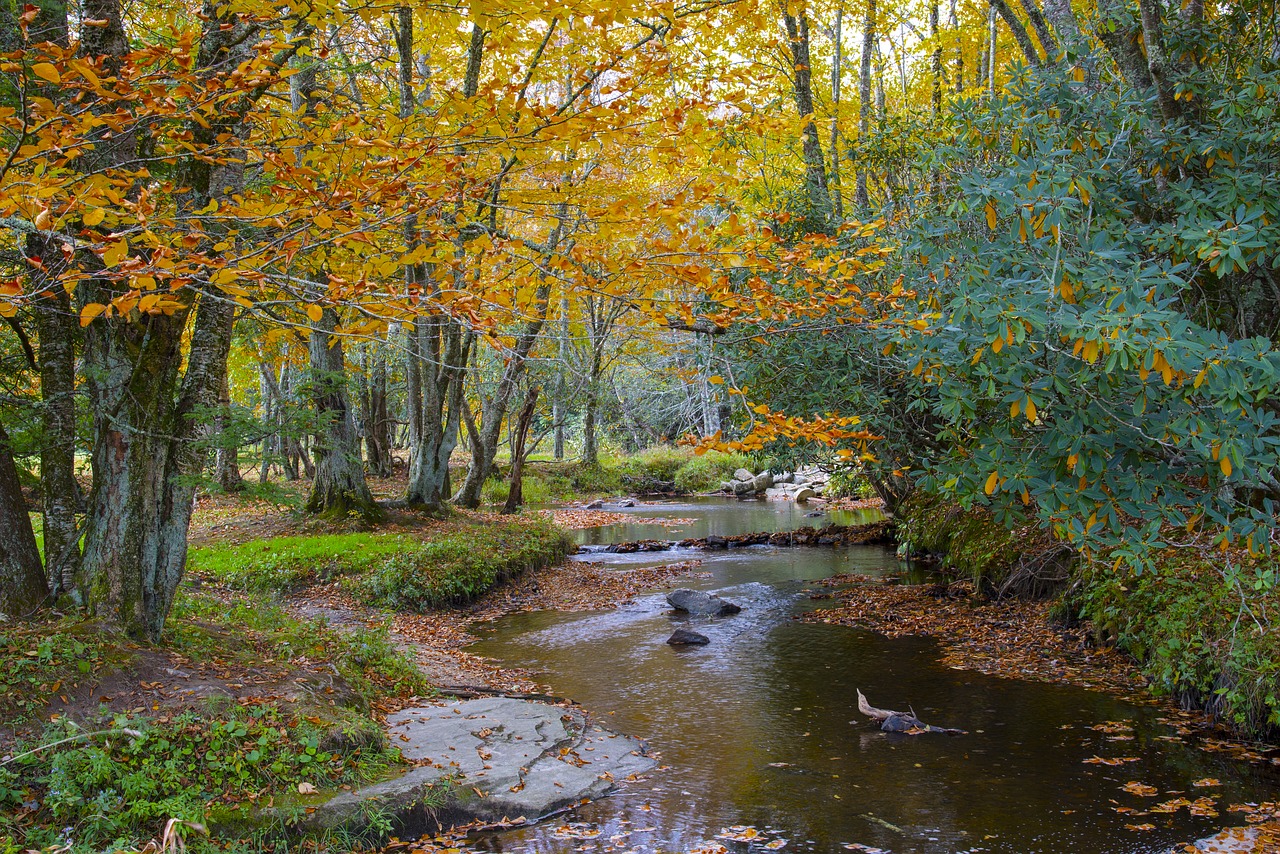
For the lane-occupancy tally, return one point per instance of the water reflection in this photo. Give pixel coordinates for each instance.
(756, 728)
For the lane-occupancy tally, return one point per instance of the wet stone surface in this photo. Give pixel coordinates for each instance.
(495, 758)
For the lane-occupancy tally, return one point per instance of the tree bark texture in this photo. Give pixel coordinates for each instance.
(815, 180)
(861, 198)
(339, 487)
(145, 453)
(515, 495)
(22, 581)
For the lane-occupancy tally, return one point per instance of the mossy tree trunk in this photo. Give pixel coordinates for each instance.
(339, 487)
(145, 453)
(22, 582)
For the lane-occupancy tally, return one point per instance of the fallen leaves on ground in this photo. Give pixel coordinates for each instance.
(1005, 638)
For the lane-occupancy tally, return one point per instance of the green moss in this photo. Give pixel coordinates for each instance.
(288, 563)
(457, 567)
(1200, 630)
(972, 543)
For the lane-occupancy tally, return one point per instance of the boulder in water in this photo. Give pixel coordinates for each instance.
(685, 637)
(700, 603)
(743, 475)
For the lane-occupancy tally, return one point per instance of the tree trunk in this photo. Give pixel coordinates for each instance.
(227, 457)
(559, 408)
(935, 60)
(837, 63)
(60, 495)
(590, 449)
(22, 581)
(864, 102)
(378, 425)
(339, 487)
(802, 87)
(1047, 42)
(515, 496)
(441, 350)
(1019, 32)
(145, 455)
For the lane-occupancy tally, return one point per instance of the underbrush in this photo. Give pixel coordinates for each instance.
(108, 779)
(119, 779)
(661, 469)
(971, 542)
(1201, 627)
(247, 633)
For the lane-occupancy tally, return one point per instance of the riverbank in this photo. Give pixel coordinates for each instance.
(1199, 627)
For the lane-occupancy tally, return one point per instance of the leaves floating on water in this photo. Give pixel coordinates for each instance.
(739, 833)
(1114, 760)
(1133, 787)
(1146, 826)
(1207, 781)
(577, 830)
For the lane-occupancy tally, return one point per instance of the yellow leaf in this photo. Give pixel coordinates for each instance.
(90, 311)
(992, 483)
(716, 380)
(94, 216)
(1224, 462)
(998, 344)
(991, 215)
(46, 71)
(1031, 410)
(323, 220)
(1014, 408)
(116, 253)
(315, 312)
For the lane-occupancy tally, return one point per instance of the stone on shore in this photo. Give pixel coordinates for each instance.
(524, 759)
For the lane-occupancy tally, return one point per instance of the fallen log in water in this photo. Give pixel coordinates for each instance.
(875, 533)
(904, 722)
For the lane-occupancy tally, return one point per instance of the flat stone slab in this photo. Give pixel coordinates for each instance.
(493, 758)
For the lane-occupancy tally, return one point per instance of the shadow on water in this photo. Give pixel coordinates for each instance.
(759, 727)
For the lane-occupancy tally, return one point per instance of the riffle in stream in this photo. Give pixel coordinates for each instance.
(758, 732)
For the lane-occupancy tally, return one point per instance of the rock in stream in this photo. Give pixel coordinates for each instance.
(700, 603)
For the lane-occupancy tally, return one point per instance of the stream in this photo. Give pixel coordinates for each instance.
(758, 735)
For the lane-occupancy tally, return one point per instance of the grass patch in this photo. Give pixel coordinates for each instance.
(288, 563)
(705, 473)
(456, 567)
(392, 570)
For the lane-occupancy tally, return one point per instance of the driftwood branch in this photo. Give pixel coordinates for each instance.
(903, 722)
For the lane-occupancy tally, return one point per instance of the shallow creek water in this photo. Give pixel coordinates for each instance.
(759, 728)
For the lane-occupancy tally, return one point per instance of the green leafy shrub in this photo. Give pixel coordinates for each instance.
(849, 483)
(458, 567)
(34, 664)
(1200, 630)
(108, 791)
(706, 472)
